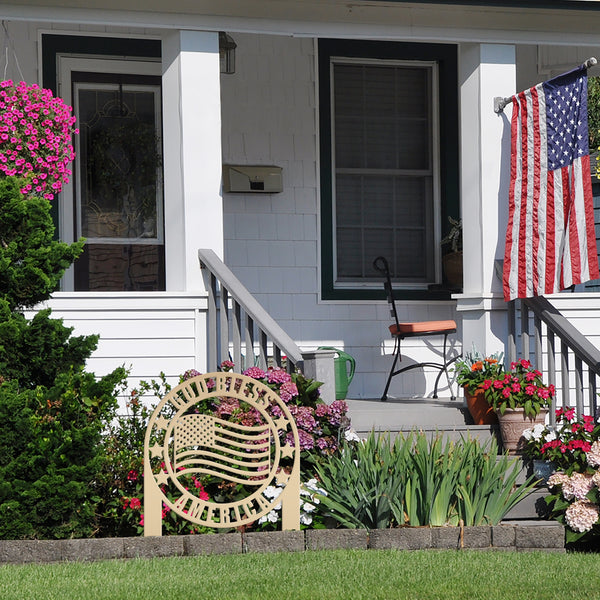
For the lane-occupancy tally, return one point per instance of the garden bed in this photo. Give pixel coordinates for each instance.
(524, 536)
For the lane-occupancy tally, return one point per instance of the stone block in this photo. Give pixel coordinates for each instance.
(151, 547)
(400, 538)
(333, 539)
(503, 536)
(30, 551)
(273, 541)
(447, 538)
(540, 535)
(479, 536)
(207, 543)
(92, 549)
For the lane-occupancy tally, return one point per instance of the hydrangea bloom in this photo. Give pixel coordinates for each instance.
(35, 137)
(255, 373)
(577, 486)
(581, 516)
(593, 456)
(278, 375)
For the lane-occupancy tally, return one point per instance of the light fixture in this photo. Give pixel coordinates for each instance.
(227, 52)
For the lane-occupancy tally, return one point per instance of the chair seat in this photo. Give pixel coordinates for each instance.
(419, 328)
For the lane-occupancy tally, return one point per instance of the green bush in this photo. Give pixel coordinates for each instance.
(52, 412)
(378, 483)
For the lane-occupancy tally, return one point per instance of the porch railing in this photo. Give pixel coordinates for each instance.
(558, 349)
(240, 329)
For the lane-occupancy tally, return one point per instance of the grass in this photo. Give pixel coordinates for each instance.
(324, 575)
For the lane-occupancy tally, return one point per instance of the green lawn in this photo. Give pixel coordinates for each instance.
(348, 575)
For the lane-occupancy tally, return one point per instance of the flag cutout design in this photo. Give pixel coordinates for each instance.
(207, 444)
(550, 238)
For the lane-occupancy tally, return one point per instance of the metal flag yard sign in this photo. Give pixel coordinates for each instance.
(184, 440)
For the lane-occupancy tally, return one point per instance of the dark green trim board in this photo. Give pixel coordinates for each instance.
(98, 45)
(446, 57)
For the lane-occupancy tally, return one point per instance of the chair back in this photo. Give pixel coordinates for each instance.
(381, 265)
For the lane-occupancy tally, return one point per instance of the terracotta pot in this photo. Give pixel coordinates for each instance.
(481, 411)
(512, 425)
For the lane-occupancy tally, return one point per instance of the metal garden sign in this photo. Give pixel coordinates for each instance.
(186, 439)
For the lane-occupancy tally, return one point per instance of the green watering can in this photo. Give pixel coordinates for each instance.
(343, 366)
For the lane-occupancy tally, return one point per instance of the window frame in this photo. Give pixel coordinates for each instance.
(445, 171)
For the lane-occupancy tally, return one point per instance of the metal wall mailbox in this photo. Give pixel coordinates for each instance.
(251, 179)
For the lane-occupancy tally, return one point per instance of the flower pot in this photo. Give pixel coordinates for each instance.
(542, 469)
(481, 411)
(512, 425)
(453, 269)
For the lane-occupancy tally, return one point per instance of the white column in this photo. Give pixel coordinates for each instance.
(192, 154)
(486, 71)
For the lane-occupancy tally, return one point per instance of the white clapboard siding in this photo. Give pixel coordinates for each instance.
(147, 332)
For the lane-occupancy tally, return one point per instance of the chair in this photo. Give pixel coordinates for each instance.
(401, 331)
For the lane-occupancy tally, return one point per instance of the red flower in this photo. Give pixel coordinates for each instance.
(135, 503)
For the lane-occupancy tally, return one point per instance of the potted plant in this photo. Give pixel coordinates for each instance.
(471, 372)
(452, 259)
(520, 399)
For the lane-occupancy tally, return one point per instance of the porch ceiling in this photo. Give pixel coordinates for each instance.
(519, 21)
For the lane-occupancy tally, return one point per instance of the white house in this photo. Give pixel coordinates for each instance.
(379, 115)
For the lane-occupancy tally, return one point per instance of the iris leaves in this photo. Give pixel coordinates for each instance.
(412, 480)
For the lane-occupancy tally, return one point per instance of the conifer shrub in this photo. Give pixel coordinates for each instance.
(52, 412)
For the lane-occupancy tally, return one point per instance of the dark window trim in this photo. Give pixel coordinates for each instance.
(446, 56)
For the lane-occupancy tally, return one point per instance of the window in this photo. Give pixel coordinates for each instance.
(382, 165)
(115, 197)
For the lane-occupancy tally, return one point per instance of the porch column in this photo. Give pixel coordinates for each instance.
(486, 71)
(192, 154)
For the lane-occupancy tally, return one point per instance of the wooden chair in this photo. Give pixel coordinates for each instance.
(401, 331)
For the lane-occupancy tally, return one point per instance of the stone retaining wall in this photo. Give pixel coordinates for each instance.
(543, 536)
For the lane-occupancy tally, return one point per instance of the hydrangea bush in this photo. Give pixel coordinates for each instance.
(36, 130)
(573, 448)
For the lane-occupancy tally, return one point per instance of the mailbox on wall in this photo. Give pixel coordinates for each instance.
(252, 179)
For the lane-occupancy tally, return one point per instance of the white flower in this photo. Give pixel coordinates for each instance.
(351, 435)
(272, 492)
(593, 456)
(308, 507)
(272, 516)
(305, 519)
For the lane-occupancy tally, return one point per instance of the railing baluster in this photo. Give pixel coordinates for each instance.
(212, 323)
(249, 338)
(579, 385)
(277, 355)
(236, 325)
(262, 350)
(511, 350)
(593, 394)
(552, 370)
(224, 325)
(537, 338)
(525, 331)
(564, 373)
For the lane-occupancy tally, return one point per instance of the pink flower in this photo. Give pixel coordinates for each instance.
(255, 373)
(135, 503)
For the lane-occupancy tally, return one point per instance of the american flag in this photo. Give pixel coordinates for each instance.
(230, 451)
(550, 238)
